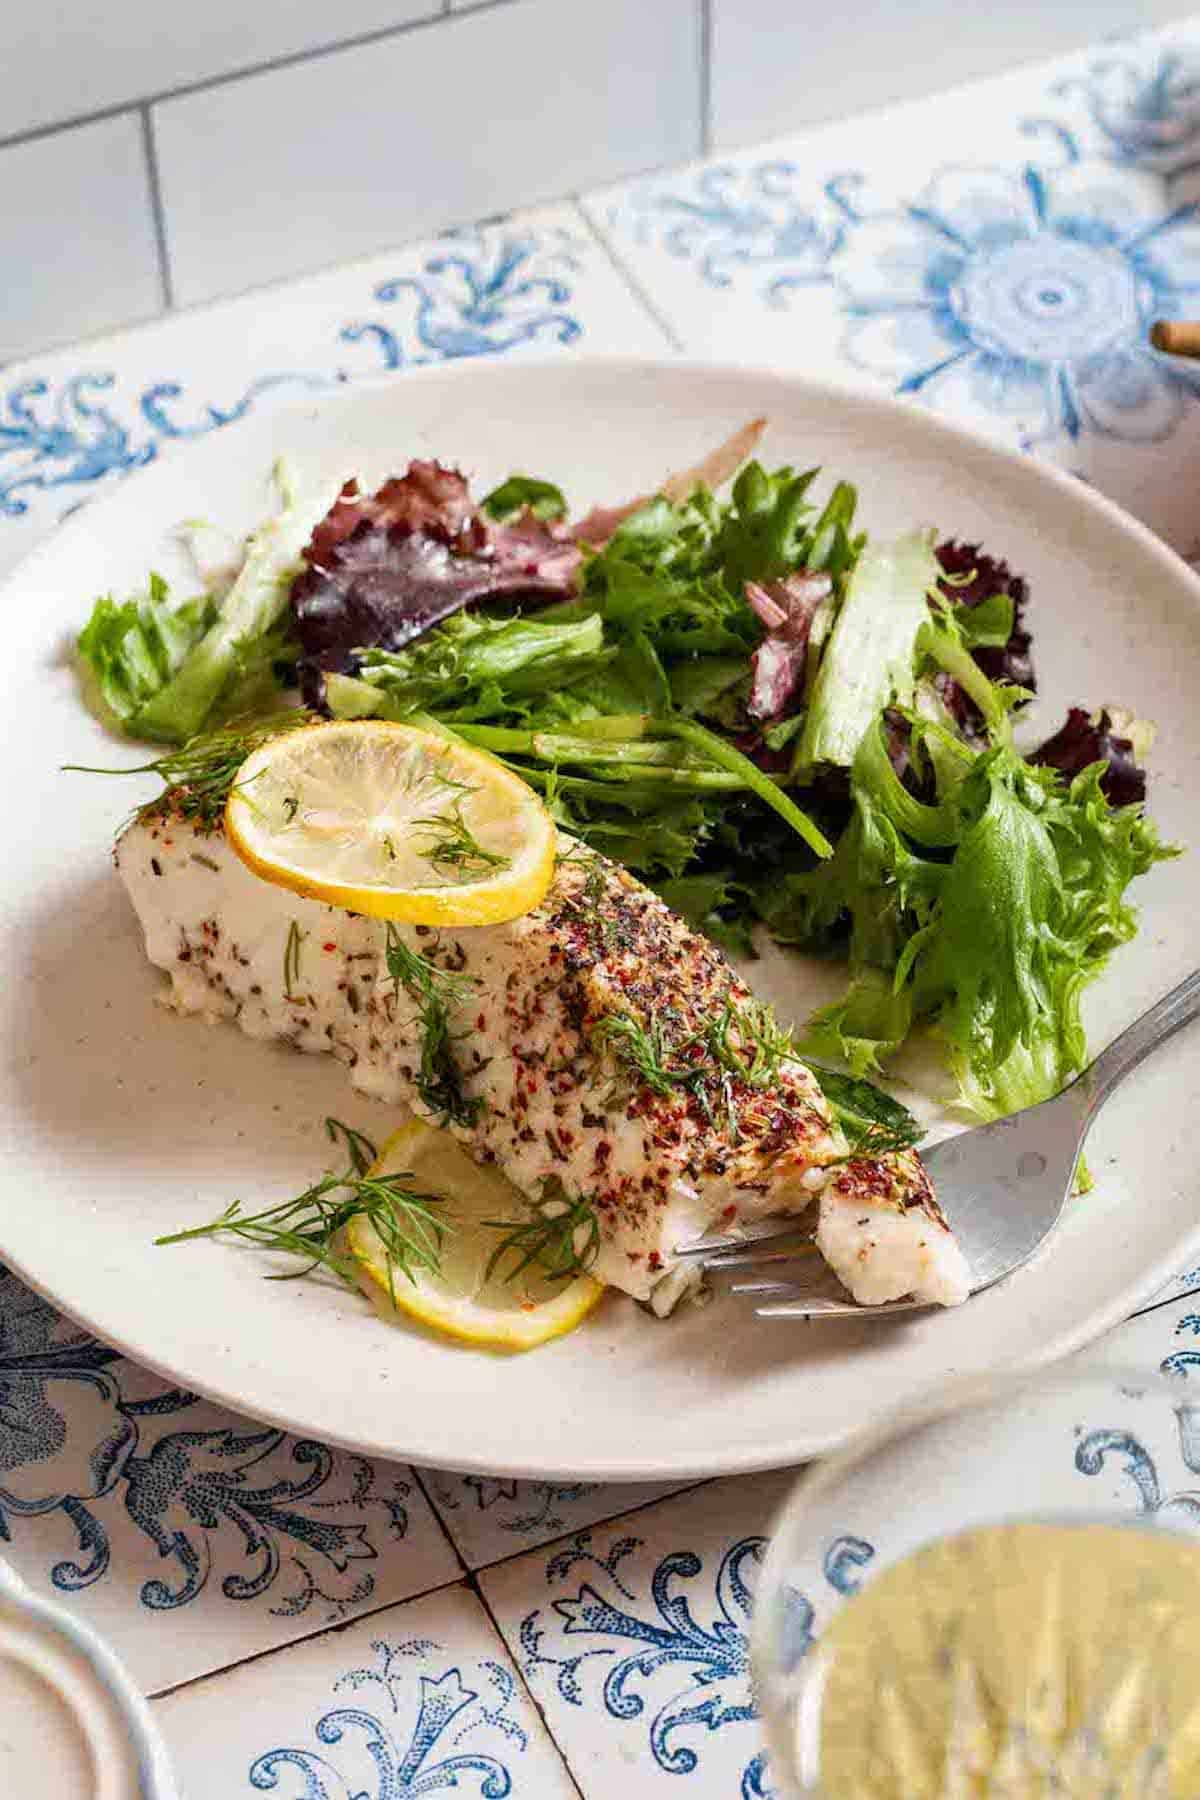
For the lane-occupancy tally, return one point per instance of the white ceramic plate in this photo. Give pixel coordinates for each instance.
(119, 1121)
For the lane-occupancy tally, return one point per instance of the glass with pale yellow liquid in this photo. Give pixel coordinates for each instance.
(997, 1599)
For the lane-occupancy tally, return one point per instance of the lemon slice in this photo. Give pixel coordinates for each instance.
(394, 822)
(461, 1300)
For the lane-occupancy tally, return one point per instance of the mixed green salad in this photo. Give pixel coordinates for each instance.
(779, 722)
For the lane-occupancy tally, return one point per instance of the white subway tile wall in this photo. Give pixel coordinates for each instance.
(779, 64)
(373, 145)
(74, 57)
(78, 231)
(242, 145)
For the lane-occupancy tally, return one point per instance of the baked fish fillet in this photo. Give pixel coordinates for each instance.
(598, 1048)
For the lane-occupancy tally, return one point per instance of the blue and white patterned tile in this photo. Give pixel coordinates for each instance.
(1010, 289)
(188, 1536)
(1186, 1282)
(74, 422)
(491, 1518)
(1164, 1336)
(421, 1700)
(633, 1639)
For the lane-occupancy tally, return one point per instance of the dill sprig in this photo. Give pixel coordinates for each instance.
(644, 1051)
(433, 991)
(201, 773)
(561, 1236)
(292, 951)
(311, 1225)
(745, 1044)
(453, 847)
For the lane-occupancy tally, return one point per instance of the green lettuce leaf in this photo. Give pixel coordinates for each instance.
(870, 1118)
(472, 667)
(990, 934)
(248, 614)
(524, 493)
(132, 648)
(870, 658)
(711, 903)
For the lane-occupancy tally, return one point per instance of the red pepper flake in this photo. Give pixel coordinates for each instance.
(654, 1260)
(329, 948)
(481, 1023)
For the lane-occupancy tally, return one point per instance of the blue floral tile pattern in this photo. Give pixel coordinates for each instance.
(146, 1505)
(490, 1518)
(1142, 103)
(711, 1655)
(420, 1701)
(1012, 290)
(74, 433)
(752, 224)
(1036, 287)
(633, 1640)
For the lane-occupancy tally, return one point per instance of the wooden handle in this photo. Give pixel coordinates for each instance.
(1178, 337)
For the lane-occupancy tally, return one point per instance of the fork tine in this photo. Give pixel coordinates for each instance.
(780, 1289)
(813, 1306)
(754, 1259)
(763, 1233)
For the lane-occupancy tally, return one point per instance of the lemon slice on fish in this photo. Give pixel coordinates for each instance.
(394, 822)
(463, 1300)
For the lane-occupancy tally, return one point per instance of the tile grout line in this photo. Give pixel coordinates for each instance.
(269, 66)
(1156, 1306)
(624, 1512)
(158, 215)
(308, 1637)
(630, 280)
(706, 50)
(476, 1588)
(432, 1504)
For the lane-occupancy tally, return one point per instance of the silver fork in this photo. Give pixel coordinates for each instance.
(1002, 1186)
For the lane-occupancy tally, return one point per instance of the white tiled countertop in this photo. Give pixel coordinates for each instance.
(312, 1622)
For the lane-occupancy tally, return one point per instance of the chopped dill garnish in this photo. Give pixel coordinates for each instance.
(587, 904)
(311, 1225)
(593, 886)
(453, 846)
(434, 991)
(745, 1044)
(562, 1236)
(202, 772)
(421, 771)
(644, 1051)
(761, 1044)
(291, 959)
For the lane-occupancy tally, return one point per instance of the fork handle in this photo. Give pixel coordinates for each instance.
(1164, 1018)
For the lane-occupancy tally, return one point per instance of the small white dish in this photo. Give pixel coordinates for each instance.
(73, 1724)
(120, 1121)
